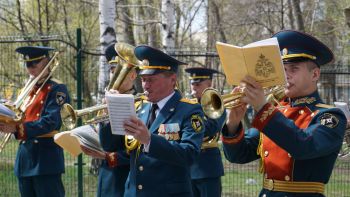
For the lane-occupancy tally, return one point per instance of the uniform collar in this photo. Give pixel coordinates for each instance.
(306, 100)
(162, 102)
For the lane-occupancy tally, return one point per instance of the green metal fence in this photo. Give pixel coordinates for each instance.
(239, 180)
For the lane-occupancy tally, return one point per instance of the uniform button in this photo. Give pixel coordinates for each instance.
(141, 168)
(23, 142)
(36, 141)
(301, 111)
(285, 110)
(289, 155)
(287, 178)
(41, 102)
(139, 187)
(264, 195)
(37, 114)
(313, 114)
(266, 153)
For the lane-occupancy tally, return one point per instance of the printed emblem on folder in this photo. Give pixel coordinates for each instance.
(264, 67)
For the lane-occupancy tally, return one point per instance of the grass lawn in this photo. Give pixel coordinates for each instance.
(239, 180)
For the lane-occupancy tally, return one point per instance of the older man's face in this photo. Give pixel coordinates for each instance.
(158, 86)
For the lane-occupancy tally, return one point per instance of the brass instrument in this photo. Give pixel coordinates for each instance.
(126, 61)
(22, 102)
(214, 104)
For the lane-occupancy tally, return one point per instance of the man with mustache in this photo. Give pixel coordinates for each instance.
(169, 129)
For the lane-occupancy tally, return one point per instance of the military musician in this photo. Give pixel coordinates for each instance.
(112, 174)
(297, 140)
(207, 169)
(40, 162)
(169, 129)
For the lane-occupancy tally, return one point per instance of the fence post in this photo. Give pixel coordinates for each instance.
(79, 106)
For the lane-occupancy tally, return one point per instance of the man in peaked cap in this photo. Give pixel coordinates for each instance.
(112, 177)
(39, 162)
(111, 56)
(207, 169)
(298, 140)
(169, 129)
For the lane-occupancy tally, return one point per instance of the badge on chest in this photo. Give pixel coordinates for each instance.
(169, 131)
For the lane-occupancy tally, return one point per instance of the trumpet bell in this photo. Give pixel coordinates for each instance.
(126, 52)
(212, 103)
(68, 116)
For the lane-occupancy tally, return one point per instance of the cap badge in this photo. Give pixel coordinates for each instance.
(285, 51)
(145, 62)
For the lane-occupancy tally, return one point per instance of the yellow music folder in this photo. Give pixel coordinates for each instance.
(68, 142)
(85, 136)
(260, 60)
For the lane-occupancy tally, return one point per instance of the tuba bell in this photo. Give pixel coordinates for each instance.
(214, 104)
(18, 108)
(126, 62)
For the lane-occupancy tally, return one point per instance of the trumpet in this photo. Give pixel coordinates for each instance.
(214, 104)
(20, 105)
(70, 116)
(126, 61)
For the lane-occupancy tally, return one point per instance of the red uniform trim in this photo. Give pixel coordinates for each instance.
(21, 133)
(235, 139)
(264, 115)
(111, 159)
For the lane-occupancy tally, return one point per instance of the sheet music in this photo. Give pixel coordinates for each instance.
(120, 108)
(84, 135)
(344, 107)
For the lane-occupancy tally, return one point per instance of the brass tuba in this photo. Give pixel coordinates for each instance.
(22, 102)
(126, 61)
(214, 104)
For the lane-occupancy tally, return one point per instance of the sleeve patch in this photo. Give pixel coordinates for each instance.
(60, 98)
(329, 120)
(197, 123)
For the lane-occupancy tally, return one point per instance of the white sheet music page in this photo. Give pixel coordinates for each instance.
(120, 107)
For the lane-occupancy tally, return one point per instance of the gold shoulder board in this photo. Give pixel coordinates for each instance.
(324, 105)
(190, 101)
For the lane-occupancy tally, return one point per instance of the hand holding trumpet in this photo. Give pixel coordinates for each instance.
(253, 94)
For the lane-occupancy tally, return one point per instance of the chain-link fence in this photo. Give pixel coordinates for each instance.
(239, 180)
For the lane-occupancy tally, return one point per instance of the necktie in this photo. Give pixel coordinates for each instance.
(152, 115)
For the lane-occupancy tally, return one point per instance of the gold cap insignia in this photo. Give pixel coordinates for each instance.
(285, 51)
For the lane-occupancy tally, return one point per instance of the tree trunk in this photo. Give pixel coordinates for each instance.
(152, 29)
(107, 11)
(127, 34)
(168, 25)
(299, 15)
(290, 15)
(347, 16)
